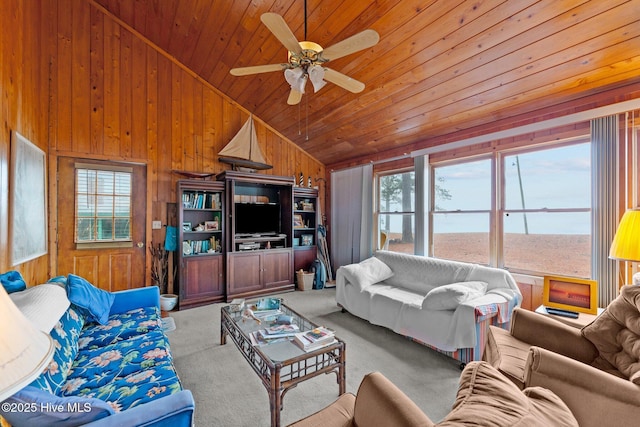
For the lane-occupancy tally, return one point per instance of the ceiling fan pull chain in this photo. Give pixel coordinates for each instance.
(306, 118)
(299, 120)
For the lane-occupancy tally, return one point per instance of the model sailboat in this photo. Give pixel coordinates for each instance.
(243, 151)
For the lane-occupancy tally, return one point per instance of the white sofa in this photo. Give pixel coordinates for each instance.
(446, 305)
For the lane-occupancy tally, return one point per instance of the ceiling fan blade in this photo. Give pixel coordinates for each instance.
(360, 41)
(257, 69)
(294, 97)
(343, 80)
(276, 24)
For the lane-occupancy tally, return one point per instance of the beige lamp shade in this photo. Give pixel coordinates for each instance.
(24, 350)
(626, 243)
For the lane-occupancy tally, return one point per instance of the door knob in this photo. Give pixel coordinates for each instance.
(140, 245)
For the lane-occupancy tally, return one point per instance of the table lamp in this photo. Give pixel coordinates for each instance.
(24, 350)
(626, 242)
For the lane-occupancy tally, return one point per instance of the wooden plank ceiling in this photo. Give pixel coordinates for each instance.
(440, 65)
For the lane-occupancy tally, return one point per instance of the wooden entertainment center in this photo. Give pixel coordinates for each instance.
(263, 228)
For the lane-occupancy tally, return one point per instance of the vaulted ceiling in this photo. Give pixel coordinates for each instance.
(440, 65)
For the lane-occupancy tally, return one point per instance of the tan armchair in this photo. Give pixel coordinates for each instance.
(541, 351)
(485, 397)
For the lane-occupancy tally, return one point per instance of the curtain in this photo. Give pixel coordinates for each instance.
(604, 203)
(351, 215)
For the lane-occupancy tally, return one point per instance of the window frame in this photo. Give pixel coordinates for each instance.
(501, 210)
(102, 244)
(377, 213)
(491, 211)
(497, 206)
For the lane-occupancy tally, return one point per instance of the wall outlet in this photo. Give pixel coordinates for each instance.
(156, 225)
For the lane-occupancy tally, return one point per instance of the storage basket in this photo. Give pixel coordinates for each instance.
(305, 280)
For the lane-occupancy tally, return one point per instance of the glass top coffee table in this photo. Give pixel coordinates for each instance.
(282, 365)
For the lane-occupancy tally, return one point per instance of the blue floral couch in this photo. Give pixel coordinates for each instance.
(122, 370)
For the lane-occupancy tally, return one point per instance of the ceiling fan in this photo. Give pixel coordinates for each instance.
(307, 59)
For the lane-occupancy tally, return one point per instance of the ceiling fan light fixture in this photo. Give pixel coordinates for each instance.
(316, 75)
(308, 55)
(306, 59)
(296, 78)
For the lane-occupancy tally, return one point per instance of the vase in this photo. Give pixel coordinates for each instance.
(168, 301)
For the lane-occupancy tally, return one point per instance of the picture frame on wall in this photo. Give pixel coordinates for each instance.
(28, 196)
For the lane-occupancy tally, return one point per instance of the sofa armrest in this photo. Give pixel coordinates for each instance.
(557, 337)
(135, 298)
(169, 411)
(595, 397)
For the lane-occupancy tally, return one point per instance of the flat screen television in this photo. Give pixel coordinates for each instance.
(257, 218)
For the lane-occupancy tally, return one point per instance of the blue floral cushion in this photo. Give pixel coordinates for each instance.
(121, 326)
(133, 389)
(65, 335)
(99, 366)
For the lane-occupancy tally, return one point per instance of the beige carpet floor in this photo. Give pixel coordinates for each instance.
(228, 392)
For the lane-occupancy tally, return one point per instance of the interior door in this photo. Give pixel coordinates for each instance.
(109, 266)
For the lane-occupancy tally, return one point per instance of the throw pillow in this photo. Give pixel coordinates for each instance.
(367, 272)
(488, 398)
(95, 303)
(43, 305)
(616, 334)
(12, 281)
(46, 409)
(449, 297)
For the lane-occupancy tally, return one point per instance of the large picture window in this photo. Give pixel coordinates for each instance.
(528, 211)
(396, 210)
(103, 205)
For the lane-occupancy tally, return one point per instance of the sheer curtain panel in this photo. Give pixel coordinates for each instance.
(351, 215)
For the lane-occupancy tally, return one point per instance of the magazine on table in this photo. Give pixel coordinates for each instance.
(259, 340)
(318, 334)
(314, 339)
(281, 330)
(266, 307)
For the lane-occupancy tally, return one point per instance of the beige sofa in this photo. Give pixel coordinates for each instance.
(485, 397)
(594, 370)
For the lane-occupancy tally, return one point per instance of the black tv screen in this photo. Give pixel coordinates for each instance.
(257, 218)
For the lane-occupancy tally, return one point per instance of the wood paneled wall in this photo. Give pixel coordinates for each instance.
(24, 102)
(82, 84)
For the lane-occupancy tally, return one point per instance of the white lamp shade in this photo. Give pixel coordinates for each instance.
(626, 243)
(24, 350)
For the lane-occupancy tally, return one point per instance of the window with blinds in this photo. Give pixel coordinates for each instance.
(103, 204)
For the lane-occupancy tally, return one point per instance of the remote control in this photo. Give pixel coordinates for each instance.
(565, 313)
